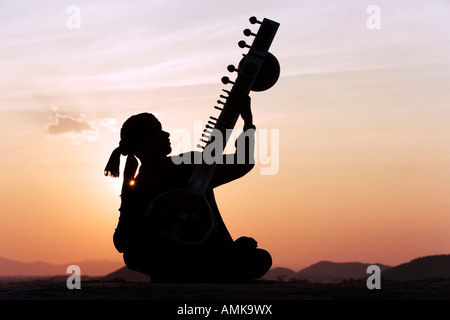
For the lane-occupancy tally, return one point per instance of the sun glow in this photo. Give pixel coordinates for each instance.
(362, 115)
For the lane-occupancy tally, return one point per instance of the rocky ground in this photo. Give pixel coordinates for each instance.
(46, 289)
(276, 299)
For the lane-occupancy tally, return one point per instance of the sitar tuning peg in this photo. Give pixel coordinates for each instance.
(253, 20)
(243, 44)
(213, 122)
(232, 68)
(248, 33)
(226, 80)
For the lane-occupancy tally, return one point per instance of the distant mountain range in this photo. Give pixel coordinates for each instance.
(125, 274)
(324, 272)
(423, 268)
(11, 268)
(429, 267)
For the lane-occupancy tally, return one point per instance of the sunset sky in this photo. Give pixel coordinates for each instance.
(363, 116)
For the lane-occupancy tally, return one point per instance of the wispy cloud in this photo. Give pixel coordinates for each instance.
(73, 128)
(109, 123)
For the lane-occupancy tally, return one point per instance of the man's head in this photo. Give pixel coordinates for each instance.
(142, 135)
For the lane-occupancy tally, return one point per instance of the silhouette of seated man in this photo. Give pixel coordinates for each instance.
(218, 260)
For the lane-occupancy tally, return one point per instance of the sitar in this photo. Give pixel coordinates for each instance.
(184, 215)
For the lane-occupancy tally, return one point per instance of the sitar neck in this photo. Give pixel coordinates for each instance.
(249, 78)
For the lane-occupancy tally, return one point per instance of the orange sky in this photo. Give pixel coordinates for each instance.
(363, 119)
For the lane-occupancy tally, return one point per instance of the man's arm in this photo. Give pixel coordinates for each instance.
(242, 161)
